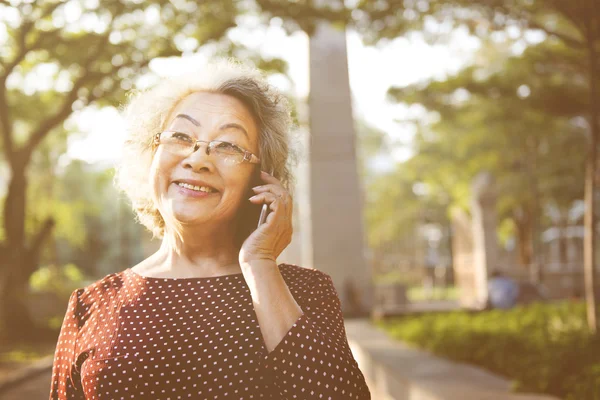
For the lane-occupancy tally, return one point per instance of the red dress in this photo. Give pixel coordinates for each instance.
(127, 336)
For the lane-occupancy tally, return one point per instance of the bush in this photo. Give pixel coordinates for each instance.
(51, 287)
(544, 348)
(61, 281)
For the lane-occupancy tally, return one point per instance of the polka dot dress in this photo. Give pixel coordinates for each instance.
(127, 336)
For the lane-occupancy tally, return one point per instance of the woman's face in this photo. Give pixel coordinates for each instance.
(204, 116)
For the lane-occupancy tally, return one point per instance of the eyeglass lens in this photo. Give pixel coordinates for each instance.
(183, 145)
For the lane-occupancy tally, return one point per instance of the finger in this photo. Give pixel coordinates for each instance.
(274, 217)
(276, 203)
(271, 217)
(269, 178)
(275, 220)
(277, 210)
(277, 189)
(265, 197)
(278, 222)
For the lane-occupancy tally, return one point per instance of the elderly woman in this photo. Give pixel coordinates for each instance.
(210, 315)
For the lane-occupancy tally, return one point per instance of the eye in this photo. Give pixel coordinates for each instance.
(226, 147)
(181, 137)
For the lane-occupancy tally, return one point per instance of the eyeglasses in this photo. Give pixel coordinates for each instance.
(183, 145)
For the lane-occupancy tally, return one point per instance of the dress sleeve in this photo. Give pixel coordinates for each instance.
(314, 360)
(64, 385)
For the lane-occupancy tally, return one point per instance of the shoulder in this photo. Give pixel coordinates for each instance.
(101, 292)
(308, 281)
(310, 287)
(303, 274)
(109, 284)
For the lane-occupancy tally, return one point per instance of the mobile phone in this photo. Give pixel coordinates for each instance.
(264, 211)
(263, 215)
(250, 212)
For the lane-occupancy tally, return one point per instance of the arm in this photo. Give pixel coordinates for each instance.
(64, 386)
(314, 357)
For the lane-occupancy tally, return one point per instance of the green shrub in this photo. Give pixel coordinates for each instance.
(544, 348)
(58, 280)
(51, 287)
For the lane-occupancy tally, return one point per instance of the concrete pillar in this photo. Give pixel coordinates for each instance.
(337, 243)
(485, 244)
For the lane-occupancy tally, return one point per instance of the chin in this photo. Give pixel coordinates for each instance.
(185, 213)
(190, 218)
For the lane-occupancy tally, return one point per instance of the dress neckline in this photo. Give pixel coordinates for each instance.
(153, 278)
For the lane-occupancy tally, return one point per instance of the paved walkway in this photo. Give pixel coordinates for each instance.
(395, 371)
(35, 388)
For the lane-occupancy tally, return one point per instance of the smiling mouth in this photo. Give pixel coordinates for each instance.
(205, 189)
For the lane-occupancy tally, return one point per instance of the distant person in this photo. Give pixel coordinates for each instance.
(503, 291)
(210, 315)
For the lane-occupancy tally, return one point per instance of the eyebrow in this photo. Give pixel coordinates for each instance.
(223, 127)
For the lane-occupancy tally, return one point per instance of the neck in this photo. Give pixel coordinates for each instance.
(198, 252)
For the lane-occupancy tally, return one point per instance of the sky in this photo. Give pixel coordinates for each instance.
(372, 70)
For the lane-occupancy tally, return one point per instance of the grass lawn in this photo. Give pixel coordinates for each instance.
(543, 348)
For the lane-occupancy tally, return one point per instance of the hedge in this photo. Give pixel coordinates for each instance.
(543, 348)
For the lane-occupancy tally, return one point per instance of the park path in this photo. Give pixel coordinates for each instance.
(34, 388)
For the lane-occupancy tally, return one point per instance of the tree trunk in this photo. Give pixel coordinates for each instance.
(535, 266)
(563, 240)
(16, 318)
(14, 207)
(14, 249)
(524, 226)
(589, 261)
(19, 261)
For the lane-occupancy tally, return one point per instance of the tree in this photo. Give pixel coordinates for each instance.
(518, 131)
(574, 23)
(304, 14)
(96, 51)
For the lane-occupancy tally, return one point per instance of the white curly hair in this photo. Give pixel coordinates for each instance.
(146, 113)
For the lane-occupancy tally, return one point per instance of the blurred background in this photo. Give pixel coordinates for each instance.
(461, 137)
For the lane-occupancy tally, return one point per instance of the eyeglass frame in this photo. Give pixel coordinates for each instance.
(249, 157)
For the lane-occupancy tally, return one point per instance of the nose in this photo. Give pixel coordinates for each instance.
(199, 159)
(200, 143)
